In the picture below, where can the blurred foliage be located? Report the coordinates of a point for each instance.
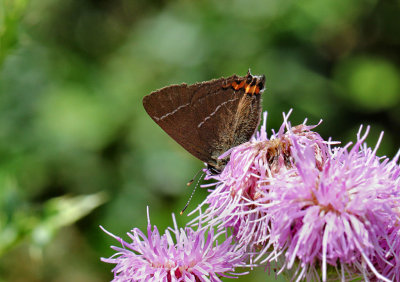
(73, 129)
(23, 220)
(11, 12)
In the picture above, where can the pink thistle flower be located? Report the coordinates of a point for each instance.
(292, 200)
(239, 188)
(337, 214)
(194, 256)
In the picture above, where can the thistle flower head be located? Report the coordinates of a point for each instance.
(293, 200)
(192, 256)
(335, 214)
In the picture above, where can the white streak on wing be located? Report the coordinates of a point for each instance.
(215, 111)
(173, 112)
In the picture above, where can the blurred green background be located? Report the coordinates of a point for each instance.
(77, 149)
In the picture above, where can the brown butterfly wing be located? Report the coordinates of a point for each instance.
(226, 118)
(205, 118)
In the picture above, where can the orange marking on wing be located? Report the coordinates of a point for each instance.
(252, 89)
(241, 84)
(255, 89)
(235, 85)
(247, 89)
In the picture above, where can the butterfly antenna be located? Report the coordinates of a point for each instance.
(194, 177)
(194, 190)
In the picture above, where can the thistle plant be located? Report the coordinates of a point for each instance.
(315, 210)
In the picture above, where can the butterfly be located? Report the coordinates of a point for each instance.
(210, 117)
